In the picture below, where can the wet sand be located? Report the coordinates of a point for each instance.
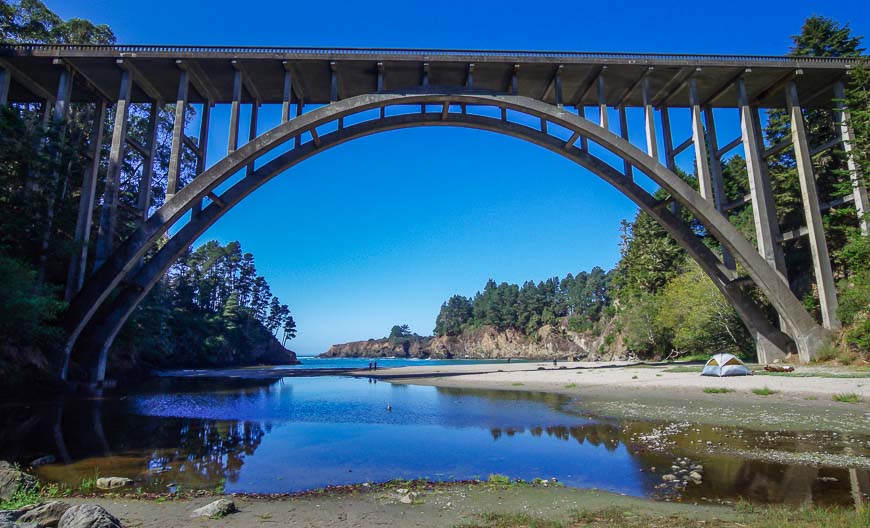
(441, 506)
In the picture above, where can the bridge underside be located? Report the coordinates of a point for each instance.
(525, 95)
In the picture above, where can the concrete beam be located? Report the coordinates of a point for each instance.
(26, 81)
(177, 135)
(248, 81)
(92, 84)
(200, 81)
(812, 212)
(587, 84)
(725, 86)
(859, 191)
(677, 84)
(140, 80)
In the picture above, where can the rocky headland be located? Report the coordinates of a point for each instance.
(487, 342)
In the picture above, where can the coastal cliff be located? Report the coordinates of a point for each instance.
(487, 342)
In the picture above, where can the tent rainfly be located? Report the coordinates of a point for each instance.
(725, 365)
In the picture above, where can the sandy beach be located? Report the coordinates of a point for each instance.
(800, 400)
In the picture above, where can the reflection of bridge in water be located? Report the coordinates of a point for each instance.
(540, 97)
(201, 453)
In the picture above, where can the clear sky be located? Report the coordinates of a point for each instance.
(382, 230)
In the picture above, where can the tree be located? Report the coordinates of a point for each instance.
(400, 331)
(289, 329)
(454, 315)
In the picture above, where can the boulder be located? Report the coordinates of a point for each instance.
(10, 516)
(218, 508)
(13, 480)
(47, 514)
(88, 516)
(107, 483)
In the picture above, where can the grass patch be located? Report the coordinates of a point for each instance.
(764, 392)
(843, 375)
(517, 384)
(758, 517)
(847, 397)
(684, 369)
(21, 498)
(714, 390)
(634, 377)
(570, 385)
(499, 479)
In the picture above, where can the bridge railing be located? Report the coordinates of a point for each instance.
(422, 52)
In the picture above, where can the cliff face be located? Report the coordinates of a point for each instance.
(488, 343)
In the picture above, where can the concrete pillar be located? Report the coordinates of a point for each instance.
(109, 211)
(300, 106)
(702, 162)
(204, 124)
(859, 191)
(602, 102)
(670, 159)
(233, 142)
(650, 122)
(5, 80)
(64, 92)
(584, 141)
(177, 136)
(78, 262)
(288, 95)
(623, 132)
(719, 197)
(143, 200)
(252, 131)
(812, 212)
(763, 207)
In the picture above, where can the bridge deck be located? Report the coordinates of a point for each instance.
(36, 69)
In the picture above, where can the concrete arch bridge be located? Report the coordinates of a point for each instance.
(539, 97)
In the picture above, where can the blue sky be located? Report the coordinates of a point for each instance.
(382, 230)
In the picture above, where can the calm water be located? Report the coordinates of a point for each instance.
(306, 432)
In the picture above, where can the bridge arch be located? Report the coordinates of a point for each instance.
(95, 315)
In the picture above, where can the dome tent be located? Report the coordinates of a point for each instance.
(725, 365)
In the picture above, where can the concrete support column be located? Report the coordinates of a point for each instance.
(584, 141)
(650, 121)
(719, 198)
(859, 191)
(78, 262)
(702, 162)
(252, 131)
(5, 80)
(201, 159)
(763, 207)
(64, 92)
(602, 102)
(177, 135)
(812, 211)
(235, 107)
(300, 106)
(109, 211)
(288, 94)
(623, 133)
(670, 158)
(143, 200)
